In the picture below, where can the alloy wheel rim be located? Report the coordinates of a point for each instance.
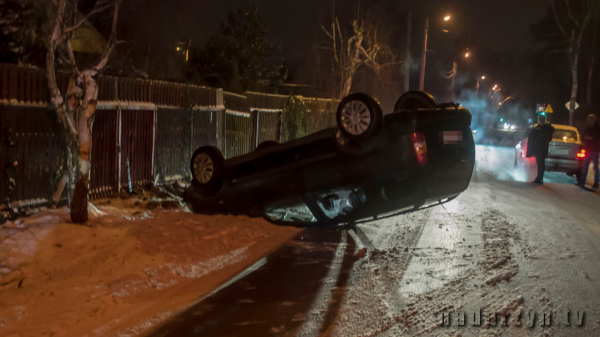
(356, 117)
(203, 168)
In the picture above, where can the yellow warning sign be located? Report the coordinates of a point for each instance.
(549, 109)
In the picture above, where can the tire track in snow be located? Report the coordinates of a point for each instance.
(375, 278)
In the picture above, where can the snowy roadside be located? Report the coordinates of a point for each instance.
(136, 261)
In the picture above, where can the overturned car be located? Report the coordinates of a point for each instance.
(369, 166)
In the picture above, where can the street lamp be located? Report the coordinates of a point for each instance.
(447, 18)
(483, 77)
(467, 54)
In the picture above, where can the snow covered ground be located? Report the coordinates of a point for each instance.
(136, 262)
(504, 246)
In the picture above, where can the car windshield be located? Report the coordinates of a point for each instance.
(565, 135)
(298, 213)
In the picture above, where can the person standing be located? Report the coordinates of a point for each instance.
(537, 146)
(591, 145)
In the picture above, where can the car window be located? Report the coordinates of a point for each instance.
(339, 203)
(565, 135)
(298, 213)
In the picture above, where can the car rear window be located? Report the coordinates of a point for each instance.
(565, 135)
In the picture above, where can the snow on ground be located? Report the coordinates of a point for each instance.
(503, 246)
(135, 262)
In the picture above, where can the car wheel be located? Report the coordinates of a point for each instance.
(207, 169)
(414, 100)
(266, 144)
(359, 118)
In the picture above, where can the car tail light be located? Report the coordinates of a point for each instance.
(581, 154)
(418, 141)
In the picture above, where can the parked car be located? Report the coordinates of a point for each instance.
(565, 153)
(420, 155)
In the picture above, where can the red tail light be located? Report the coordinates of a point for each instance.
(581, 154)
(418, 141)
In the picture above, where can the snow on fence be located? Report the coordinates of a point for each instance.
(144, 131)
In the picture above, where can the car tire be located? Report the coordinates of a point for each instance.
(207, 169)
(266, 144)
(414, 100)
(359, 118)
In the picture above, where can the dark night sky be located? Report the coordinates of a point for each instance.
(295, 23)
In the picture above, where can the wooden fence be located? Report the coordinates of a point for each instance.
(144, 131)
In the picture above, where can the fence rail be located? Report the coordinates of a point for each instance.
(144, 131)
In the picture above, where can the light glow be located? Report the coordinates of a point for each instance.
(447, 18)
(420, 146)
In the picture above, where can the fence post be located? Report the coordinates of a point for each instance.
(279, 124)
(155, 113)
(119, 144)
(255, 118)
(220, 121)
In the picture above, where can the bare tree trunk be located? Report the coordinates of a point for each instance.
(79, 210)
(574, 56)
(407, 60)
(346, 86)
(590, 80)
(56, 97)
(424, 56)
(77, 141)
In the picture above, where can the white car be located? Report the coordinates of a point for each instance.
(565, 153)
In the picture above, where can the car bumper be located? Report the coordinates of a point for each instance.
(563, 165)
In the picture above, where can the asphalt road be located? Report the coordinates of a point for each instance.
(504, 247)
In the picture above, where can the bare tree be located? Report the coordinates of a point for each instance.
(75, 119)
(578, 20)
(365, 45)
(452, 75)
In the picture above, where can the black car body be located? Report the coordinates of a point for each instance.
(320, 180)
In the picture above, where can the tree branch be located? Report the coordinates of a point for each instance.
(557, 21)
(112, 41)
(78, 24)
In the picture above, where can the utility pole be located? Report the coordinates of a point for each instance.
(407, 61)
(424, 56)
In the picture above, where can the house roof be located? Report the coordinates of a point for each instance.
(86, 39)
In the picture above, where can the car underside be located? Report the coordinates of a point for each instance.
(416, 157)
